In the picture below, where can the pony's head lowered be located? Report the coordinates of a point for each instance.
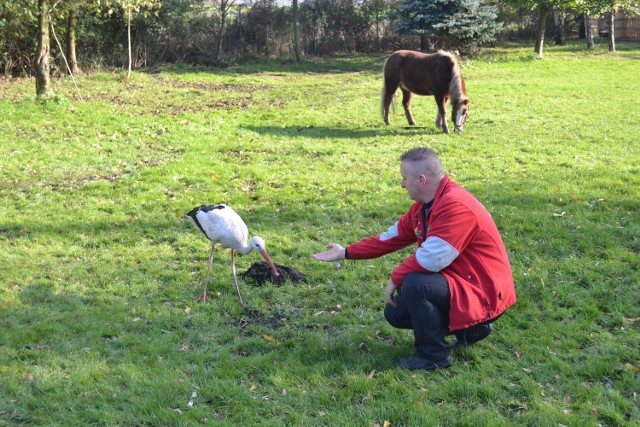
(459, 113)
(459, 100)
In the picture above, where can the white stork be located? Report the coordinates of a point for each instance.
(223, 225)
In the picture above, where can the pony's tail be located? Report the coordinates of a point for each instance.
(392, 106)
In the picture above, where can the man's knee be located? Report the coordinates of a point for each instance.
(391, 314)
(396, 317)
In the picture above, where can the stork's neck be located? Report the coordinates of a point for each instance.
(244, 249)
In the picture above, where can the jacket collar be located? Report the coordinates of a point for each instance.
(441, 187)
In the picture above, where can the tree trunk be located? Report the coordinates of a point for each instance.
(582, 32)
(71, 42)
(560, 34)
(129, 42)
(427, 43)
(223, 7)
(296, 31)
(542, 25)
(377, 32)
(42, 64)
(218, 56)
(588, 28)
(612, 31)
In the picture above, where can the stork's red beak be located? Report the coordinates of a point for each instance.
(266, 257)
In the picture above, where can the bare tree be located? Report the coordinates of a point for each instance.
(296, 31)
(560, 28)
(588, 28)
(42, 64)
(612, 30)
(72, 60)
(223, 6)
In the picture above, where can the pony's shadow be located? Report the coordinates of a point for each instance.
(328, 132)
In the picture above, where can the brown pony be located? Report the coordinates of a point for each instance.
(436, 74)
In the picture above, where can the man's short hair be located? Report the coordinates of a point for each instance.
(427, 157)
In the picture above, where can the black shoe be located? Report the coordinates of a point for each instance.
(416, 362)
(466, 337)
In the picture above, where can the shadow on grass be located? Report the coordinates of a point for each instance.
(327, 132)
(320, 65)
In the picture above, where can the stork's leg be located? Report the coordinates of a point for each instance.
(203, 297)
(235, 278)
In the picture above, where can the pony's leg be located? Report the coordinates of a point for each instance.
(388, 90)
(441, 118)
(406, 103)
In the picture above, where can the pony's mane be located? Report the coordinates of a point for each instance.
(455, 86)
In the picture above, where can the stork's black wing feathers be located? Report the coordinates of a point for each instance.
(204, 208)
(209, 208)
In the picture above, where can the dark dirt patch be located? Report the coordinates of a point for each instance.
(213, 87)
(260, 273)
(273, 322)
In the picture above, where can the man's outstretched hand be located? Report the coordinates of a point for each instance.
(335, 253)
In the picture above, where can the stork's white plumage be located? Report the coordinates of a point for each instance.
(223, 225)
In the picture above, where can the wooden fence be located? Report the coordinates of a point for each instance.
(627, 27)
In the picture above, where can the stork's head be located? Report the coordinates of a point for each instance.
(258, 244)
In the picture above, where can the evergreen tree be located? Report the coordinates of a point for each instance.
(448, 23)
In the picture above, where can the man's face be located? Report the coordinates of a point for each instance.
(411, 180)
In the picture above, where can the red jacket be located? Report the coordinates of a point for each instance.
(460, 241)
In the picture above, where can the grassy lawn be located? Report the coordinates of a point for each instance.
(99, 268)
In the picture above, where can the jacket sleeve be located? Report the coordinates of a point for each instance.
(449, 233)
(398, 236)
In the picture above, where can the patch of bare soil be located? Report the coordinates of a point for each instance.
(261, 273)
(221, 87)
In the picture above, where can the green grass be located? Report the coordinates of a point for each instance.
(99, 270)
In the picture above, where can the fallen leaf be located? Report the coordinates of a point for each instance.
(253, 387)
(187, 309)
(526, 370)
(518, 354)
(372, 373)
(386, 424)
(270, 338)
